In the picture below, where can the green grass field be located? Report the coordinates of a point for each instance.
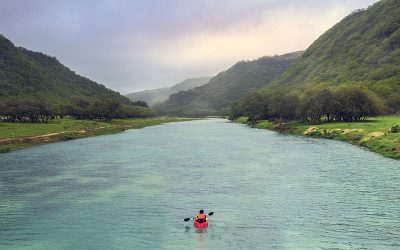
(374, 134)
(378, 124)
(17, 134)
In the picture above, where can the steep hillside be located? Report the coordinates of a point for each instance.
(363, 47)
(28, 75)
(159, 95)
(216, 97)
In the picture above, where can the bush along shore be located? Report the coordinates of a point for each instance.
(380, 134)
(18, 135)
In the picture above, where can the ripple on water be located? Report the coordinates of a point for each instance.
(133, 189)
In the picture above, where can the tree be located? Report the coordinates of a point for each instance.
(316, 103)
(283, 104)
(393, 102)
(355, 103)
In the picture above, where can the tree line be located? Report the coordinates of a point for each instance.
(312, 104)
(35, 111)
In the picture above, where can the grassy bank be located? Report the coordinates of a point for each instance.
(15, 136)
(374, 134)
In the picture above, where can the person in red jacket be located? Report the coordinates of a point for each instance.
(201, 217)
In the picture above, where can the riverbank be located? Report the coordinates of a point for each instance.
(374, 134)
(14, 136)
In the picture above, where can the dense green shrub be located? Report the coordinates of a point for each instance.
(311, 104)
(43, 111)
(395, 129)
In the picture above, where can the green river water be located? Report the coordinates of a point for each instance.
(132, 191)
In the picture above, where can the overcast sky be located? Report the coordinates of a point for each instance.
(131, 45)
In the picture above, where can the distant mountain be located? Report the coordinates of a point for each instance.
(162, 94)
(217, 96)
(28, 75)
(363, 47)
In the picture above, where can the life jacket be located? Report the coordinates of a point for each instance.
(201, 218)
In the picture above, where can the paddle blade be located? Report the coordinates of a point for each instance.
(187, 219)
(210, 213)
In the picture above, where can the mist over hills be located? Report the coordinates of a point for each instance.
(162, 94)
(216, 97)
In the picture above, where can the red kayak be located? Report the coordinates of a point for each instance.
(200, 225)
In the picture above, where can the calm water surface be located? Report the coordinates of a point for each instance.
(132, 191)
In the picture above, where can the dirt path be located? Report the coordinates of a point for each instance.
(41, 138)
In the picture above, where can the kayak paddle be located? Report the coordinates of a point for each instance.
(188, 219)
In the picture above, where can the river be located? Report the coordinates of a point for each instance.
(132, 190)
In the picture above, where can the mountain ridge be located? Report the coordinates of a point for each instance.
(154, 96)
(216, 97)
(26, 74)
(363, 47)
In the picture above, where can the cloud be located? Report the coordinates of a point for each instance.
(132, 45)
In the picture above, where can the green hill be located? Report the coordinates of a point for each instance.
(217, 96)
(364, 47)
(28, 75)
(351, 72)
(154, 96)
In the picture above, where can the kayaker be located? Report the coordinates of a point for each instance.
(201, 217)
